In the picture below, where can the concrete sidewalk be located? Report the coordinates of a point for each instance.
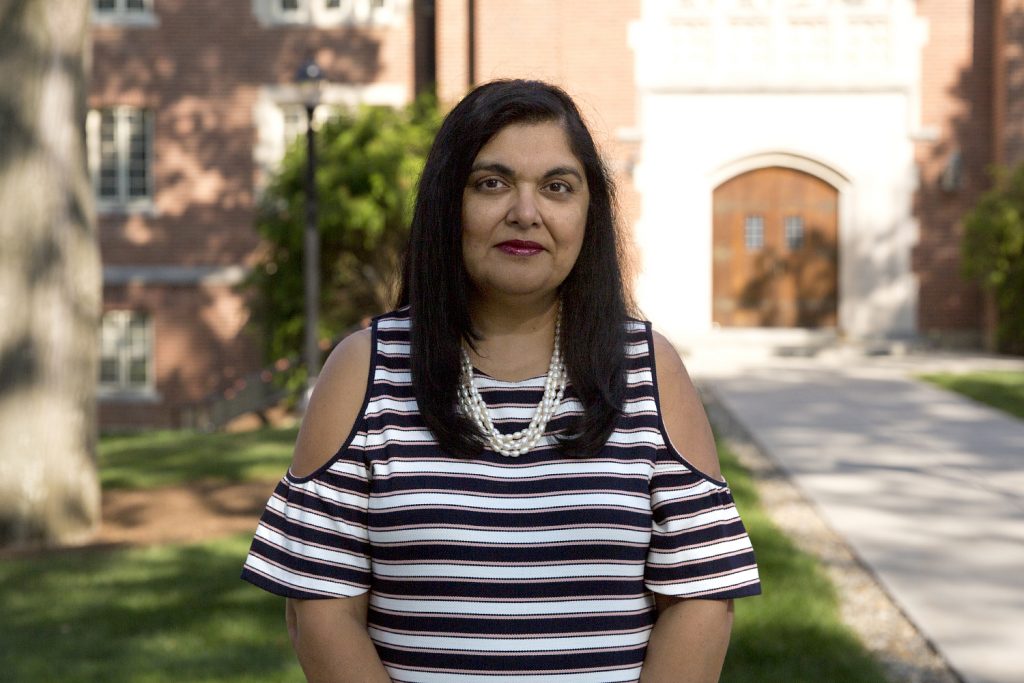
(926, 487)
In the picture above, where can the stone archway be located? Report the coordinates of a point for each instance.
(775, 252)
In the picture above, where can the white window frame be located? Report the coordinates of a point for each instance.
(123, 387)
(269, 116)
(316, 13)
(122, 202)
(120, 15)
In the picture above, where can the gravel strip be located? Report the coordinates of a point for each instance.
(905, 655)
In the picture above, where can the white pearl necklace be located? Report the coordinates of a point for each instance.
(517, 443)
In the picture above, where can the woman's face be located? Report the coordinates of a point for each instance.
(524, 212)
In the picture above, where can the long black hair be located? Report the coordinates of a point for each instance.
(436, 288)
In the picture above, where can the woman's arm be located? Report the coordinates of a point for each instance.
(331, 642)
(329, 636)
(691, 636)
(689, 641)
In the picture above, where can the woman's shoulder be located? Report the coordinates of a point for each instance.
(335, 404)
(680, 407)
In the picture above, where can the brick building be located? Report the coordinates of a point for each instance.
(780, 162)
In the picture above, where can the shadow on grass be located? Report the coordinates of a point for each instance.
(169, 458)
(172, 613)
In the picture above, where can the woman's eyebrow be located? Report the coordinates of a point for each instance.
(494, 167)
(497, 167)
(563, 170)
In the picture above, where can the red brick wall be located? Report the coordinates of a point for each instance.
(199, 347)
(200, 71)
(580, 46)
(452, 50)
(956, 101)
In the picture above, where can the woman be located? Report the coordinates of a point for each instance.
(510, 499)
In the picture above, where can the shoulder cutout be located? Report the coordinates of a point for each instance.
(682, 412)
(335, 404)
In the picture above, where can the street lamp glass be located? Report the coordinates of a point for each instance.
(310, 79)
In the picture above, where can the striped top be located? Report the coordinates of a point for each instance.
(528, 569)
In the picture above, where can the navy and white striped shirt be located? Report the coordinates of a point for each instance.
(536, 568)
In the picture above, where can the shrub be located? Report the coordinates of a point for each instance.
(993, 252)
(368, 164)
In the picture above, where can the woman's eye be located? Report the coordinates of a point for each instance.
(559, 186)
(489, 184)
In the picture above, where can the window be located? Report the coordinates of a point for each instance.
(327, 13)
(125, 352)
(794, 227)
(753, 232)
(120, 156)
(138, 12)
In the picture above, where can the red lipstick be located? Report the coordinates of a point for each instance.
(520, 248)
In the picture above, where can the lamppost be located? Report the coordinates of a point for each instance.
(310, 80)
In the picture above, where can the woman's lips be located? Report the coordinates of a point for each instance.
(520, 248)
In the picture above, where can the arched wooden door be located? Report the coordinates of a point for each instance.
(775, 250)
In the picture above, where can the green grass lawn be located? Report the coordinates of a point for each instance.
(167, 458)
(149, 615)
(180, 614)
(1001, 389)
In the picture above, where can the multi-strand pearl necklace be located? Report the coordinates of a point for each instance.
(520, 442)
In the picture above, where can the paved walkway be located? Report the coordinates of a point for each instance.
(927, 487)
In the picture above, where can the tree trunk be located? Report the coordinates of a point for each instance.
(50, 280)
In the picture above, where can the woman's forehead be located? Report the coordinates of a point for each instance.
(541, 143)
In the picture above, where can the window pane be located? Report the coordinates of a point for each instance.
(289, 5)
(753, 232)
(137, 372)
(333, 4)
(108, 371)
(138, 162)
(137, 336)
(104, 5)
(108, 154)
(124, 154)
(135, 5)
(108, 183)
(137, 186)
(794, 231)
(108, 339)
(125, 356)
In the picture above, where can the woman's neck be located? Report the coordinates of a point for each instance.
(516, 340)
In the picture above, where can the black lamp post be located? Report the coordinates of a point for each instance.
(310, 79)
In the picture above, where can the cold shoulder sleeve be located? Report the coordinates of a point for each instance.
(311, 541)
(699, 546)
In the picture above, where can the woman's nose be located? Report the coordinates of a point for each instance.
(524, 211)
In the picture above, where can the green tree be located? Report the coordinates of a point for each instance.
(368, 164)
(50, 277)
(993, 252)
